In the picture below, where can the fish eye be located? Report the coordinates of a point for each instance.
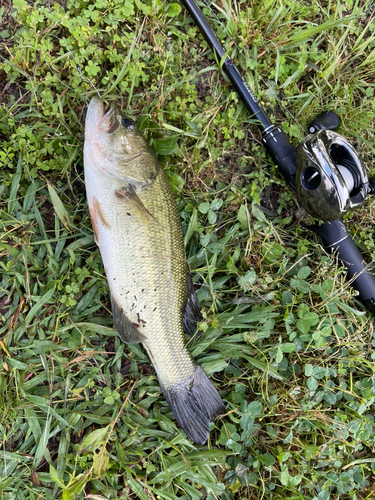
(127, 122)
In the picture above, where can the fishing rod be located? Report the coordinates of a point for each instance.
(325, 170)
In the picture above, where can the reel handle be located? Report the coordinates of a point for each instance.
(326, 121)
(337, 239)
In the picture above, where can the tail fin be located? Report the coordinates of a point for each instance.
(195, 403)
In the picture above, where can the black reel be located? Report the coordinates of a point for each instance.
(330, 178)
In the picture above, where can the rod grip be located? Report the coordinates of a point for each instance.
(337, 239)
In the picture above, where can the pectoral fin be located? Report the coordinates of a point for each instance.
(128, 332)
(128, 193)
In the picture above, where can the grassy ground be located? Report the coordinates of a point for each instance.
(284, 338)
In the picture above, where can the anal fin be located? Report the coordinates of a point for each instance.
(128, 332)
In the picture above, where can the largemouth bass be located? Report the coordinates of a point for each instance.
(137, 228)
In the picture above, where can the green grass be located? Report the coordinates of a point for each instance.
(285, 340)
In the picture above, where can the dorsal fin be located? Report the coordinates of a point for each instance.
(191, 311)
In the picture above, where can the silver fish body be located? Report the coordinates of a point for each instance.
(137, 228)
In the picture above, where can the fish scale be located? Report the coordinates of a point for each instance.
(138, 231)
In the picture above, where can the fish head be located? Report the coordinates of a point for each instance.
(113, 143)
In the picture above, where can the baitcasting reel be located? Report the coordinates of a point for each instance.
(330, 178)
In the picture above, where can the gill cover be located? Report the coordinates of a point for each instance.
(331, 178)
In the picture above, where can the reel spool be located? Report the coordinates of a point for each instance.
(331, 178)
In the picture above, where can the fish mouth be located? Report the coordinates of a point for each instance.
(109, 123)
(105, 121)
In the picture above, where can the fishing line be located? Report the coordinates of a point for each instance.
(78, 68)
